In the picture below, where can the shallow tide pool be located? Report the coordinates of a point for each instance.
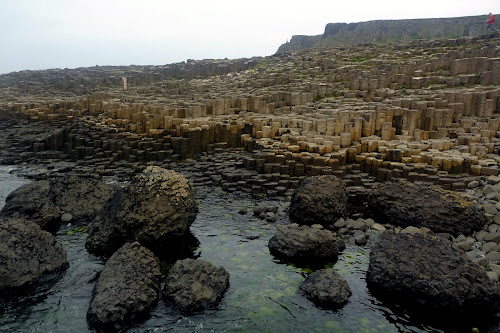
(263, 294)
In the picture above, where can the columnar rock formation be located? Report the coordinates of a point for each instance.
(424, 111)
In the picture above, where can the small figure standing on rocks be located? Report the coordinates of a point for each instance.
(490, 22)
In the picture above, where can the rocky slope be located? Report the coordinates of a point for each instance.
(379, 31)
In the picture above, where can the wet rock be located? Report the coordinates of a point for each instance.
(31, 202)
(126, 290)
(157, 207)
(30, 258)
(326, 289)
(320, 199)
(425, 206)
(429, 273)
(195, 285)
(303, 243)
(83, 197)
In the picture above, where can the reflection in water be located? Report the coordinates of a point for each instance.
(263, 294)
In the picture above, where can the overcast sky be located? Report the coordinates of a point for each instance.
(41, 34)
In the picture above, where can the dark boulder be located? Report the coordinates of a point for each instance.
(442, 211)
(31, 202)
(326, 289)
(30, 258)
(303, 243)
(158, 206)
(319, 200)
(126, 290)
(430, 274)
(195, 285)
(82, 197)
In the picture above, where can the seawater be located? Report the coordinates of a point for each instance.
(263, 294)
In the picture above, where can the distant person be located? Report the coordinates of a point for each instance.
(490, 22)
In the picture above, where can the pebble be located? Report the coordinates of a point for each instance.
(411, 230)
(66, 217)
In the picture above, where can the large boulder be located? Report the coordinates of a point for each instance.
(126, 290)
(427, 206)
(430, 274)
(31, 202)
(319, 200)
(303, 243)
(30, 258)
(158, 206)
(195, 285)
(82, 197)
(326, 289)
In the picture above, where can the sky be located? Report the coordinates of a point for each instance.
(43, 34)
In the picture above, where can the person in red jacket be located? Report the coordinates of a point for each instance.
(490, 22)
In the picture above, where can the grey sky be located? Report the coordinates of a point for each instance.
(41, 34)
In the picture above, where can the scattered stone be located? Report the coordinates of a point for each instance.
(195, 285)
(425, 206)
(83, 197)
(320, 199)
(31, 202)
(158, 206)
(303, 243)
(126, 290)
(429, 273)
(30, 258)
(326, 289)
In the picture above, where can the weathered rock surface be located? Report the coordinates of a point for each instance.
(31, 202)
(425, 206)
(326, 288)
(195, 285)
(82, 197)
(30, 258)
(429, 273)
(126, 290)
(303, 243)
(156, 207)
(321, 199)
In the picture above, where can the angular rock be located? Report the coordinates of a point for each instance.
(326, 289)
(31, 202)
(320, 199)
(303, 243)
(82, 197)
(430, 274)
(432, 207)
(30, 258)
(126, 290)
(195, 285)
(158, 206)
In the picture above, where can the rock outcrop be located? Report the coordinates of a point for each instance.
(157, 207)
(430, 274)
(303, 243)
(195, 285)
(380, 31)
(30, 258)
(126, 290)
(31, 202)
(326, 288)
(319, 200)
(432, 207)
(82, 197)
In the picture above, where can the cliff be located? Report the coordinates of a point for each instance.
(381, 31)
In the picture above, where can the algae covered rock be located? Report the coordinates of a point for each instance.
(319, 200)
(303, 243)
(407, 204)
(195, 285)
(430, 274)
(30, 258)
(326, 288)
(126, 290)
(158, 206)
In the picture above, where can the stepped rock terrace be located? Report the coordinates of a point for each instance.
(426, 111)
